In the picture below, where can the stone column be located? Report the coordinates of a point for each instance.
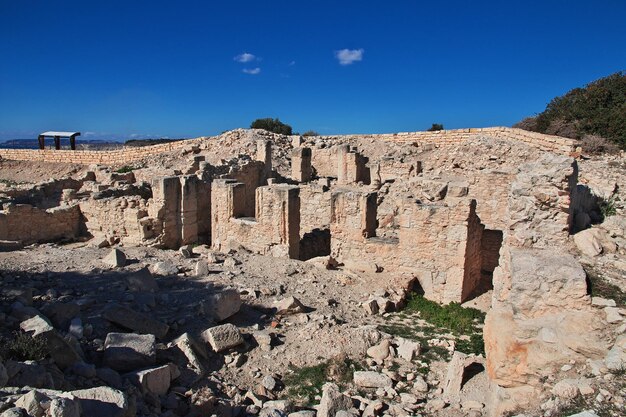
(264, 154)
(189, 209)
(301, 165)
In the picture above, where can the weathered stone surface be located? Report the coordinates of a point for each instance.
(155, 380)
(565, 389)
(613, 315)
(370, 379)
(588, 243)
(407, 349)
(65, 407)
(36, 325)
(616, 357)
(289, 305)
(191, 348)
(380, 352)
(222, 337)
(128, 351)
(60, 314)
(14, 412)
(332, 401)
(115, 259)
(31, 402)
(164, 268)
(133, 320)
(102, 402)
(223, 304)
(454, 376)
(141, 280)
(64, 350)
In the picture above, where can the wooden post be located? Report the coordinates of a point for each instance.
(41, 142)
(57, 143)
(73, 142)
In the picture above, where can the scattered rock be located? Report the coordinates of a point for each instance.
(370, 379)
(115, 259)
(128, 351)
(223, 337)
(133, 320)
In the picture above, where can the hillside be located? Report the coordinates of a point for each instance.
(595, 110)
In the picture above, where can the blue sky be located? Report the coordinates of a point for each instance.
(121, 69)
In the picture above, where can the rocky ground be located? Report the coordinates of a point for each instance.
(93, 330)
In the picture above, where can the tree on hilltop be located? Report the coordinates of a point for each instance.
(272, 125)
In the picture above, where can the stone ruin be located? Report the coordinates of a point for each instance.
(453, 238)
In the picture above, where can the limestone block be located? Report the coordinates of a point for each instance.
(115, 259)
(370, 379)
(223, 337)
(141, 280)
(223, 304)
(102, 402)
(155, 380)
(133, 320)
(128, 351)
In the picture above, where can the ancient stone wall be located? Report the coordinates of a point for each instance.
(115, 217)
(443, 137)
(315, 207)
(275, 229)
(439, 244)
(28, 224)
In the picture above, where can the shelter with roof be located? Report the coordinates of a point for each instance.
(57, 138)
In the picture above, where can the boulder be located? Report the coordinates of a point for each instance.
(128, 351)
(223, 304)
(371, 379)
(332, 401)
(102, 402)
(588, 243)
(223, 337)
(36, 325)
(65, 407)
(407, 349)
(155, 380)
(380, 352)
(31, 402)
(133, 320)
(115, 259)
(164, 268)
(141, 281)
(289, 305)
(60, 314)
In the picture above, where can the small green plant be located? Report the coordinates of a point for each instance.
(306, 382)
(23, 347)
(608, 207)
(310, 133)
(453, 317)
(125, 169)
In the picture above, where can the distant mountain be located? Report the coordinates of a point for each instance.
(80, 143)
(594, 112)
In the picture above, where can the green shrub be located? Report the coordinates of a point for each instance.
(23, 347)
(272, 125)
(596, 109)
(310, 133)
(453, 317)
(125, 169)
(435, 127)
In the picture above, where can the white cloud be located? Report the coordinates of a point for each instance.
(252, 71)
(349, 56)
(292, 63)
(245, 57)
